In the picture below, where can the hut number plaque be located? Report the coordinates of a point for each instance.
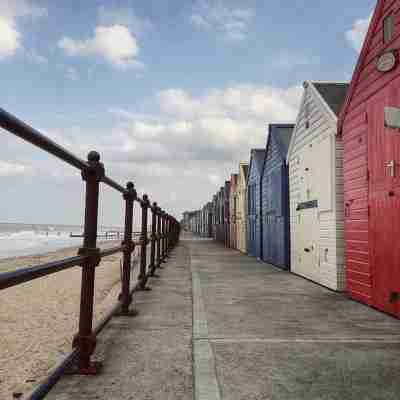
(386, 62)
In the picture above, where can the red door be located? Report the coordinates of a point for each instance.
(384, 202)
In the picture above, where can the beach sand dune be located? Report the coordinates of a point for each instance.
(38, 319)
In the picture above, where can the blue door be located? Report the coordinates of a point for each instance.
(275, 199)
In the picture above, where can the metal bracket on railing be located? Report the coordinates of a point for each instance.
(96, 169)
(93, 257)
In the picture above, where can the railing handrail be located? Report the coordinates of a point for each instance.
(15, 126)
(164, 235)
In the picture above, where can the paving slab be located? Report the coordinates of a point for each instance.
(147, 357)
(278, 336)
(220, 325)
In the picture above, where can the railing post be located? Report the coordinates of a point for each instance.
(85, 341)
(125, 297)
(145, 204)
(167, 238)
(163, 236)
(167, 235)
(159, 237)
(153, 240)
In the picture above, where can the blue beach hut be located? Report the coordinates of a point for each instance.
(254, 203)
(275, 238)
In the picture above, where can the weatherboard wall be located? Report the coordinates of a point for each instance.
(232, 212)
(275, 200)
(241, 210)
(372, 242)
(315, 168)
(254, 231)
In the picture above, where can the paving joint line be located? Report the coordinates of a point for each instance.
(206, 386)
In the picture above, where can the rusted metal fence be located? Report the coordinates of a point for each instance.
(164, 236)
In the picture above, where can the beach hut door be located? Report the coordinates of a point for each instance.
(384, 201)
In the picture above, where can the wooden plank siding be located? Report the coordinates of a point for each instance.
(316, 173)
(241, 212)
(254, 230)
(233, 211)
(275, 199)
(367, 83)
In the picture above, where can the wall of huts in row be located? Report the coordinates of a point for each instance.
(322, 198)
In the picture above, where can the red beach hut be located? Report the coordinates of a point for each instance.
(369, 126)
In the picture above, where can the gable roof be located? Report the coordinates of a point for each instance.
(283, 133)
(244, 168)
(257, 156)
(357, 71)
(333, 93)
(324, 94)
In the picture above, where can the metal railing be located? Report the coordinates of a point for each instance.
(164, 236)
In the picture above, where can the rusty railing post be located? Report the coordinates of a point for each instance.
(85, 340)
(125, 297)
(162, 236)
(153, 239)
(145, 204)
(167, 241)
(158, 238)
(167, 235)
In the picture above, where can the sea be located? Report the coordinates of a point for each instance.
(31, 239)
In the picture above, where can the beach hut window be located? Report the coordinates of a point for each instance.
(388, 28)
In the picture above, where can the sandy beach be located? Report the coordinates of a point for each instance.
(38, 319)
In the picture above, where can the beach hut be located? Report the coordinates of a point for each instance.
(241, 213)
(275, 197)
(220, 236)
(227, 189)
(369, 126)
(253, 203)
(315, 160)
(215, 215)
(232, 211)
(209, 219)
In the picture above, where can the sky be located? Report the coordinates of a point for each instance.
(173, 95)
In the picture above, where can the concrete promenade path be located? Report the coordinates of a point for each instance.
(222, 325)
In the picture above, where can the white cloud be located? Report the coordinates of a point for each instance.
(13, 169)
(124, 16)
(356, 35)
(226, 20)
(10, 35)
(115, 43)
(189, 145)
(9, 38)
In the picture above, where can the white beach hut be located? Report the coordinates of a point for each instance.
(316, 187)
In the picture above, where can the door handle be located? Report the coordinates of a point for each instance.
(392, 168)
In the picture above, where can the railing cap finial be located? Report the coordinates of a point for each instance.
(93, 156)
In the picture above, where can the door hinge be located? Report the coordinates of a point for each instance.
(366, 117)
(369, 211)
(368, 175)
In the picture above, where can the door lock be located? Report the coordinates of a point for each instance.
(392, 168)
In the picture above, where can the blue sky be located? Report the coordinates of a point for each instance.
(173, 94)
